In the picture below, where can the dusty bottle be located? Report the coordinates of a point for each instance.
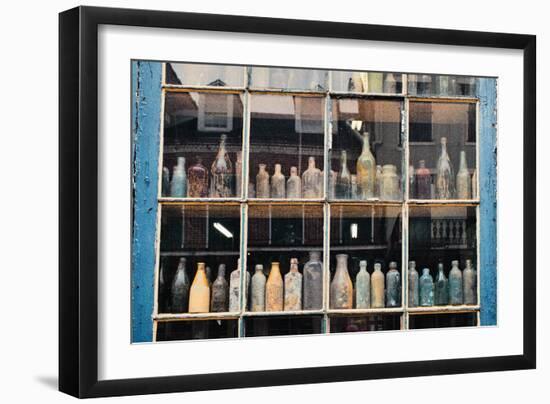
(444, 174)
(362, 287)
(423, 181)
(378, 180)
(235, 288)
(426, 289)
(441, 292)
(262, 182)
(222, 173)
(209, 276)
(197, 179)
(239, 174)
(455, 285)
(341, 287)
(294, 185)
(180, 289)
(199, 295)
(393, 286)
(366, 170)
(178, 186)
(463, 180)
(165, 181)
(274, 297)
(278, 183)
(220, 294)
(413, 284)
(389, 183)
(293, 287)
(343, 179)
(377, 286)
(390, 84)
(469, 284)
(312, 181)
(332, 184)
(257, 289)
(313, 282)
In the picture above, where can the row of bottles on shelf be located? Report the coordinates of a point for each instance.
(372, 82)
(459, 288)
(445, 185)
(425, 84)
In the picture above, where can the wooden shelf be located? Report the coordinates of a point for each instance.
(196, 316)
(282, 313)
(200, 253)
(358, 312)
(444, 309)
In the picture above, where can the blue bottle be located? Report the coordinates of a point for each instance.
(441, 293)
(393, 286)
(426, 289)
(456, 296)
(178, 186)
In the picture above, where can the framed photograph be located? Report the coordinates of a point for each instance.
(249, 201)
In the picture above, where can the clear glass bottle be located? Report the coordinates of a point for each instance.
(362, 287)
(343, 179)
(393, 286)
(293, 287)
(423, 181)
(235, 288)
(180, 289)
(257, 289)
(274, 297)
(197, 178)
(444, 186)
(456, 296)
(469, 284)
(341, 287)
(377, 284)
(221, 185)
(313, 282)
(165, 181)
(463, 179)
(413, 285)
(366, 170)
(441, 293)
(220, 294)
(199, 294)
(178, 186)
(278, 183)
(389, 183)
(262, 182)
(426, 289)
(294, 184)
(312, 181)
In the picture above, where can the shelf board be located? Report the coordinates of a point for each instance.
(443, 309)
(359, 247)
(282, 313)
(355, 312)
(285, 248)
(168, 200)
(196, 316)
(201, 253)
(440, 202)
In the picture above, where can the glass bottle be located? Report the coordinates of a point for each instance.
(389, 183)
(178, 186)
(165, 181)
(377, 287)
(274, 297)
(423, 181)
(366, 170)
(220, 293)
(393, 286)
(444, 173)
(180, 289)
(424, 85)
(222, 173)
(239, 174)
(262, 182)
(463, 180)
(354, 193)
(278, 183)
(469, 284)
(441, 293)
(341, 287)
(312, 181)
(390, 84)
(474, 184)
(293, 287)
(343, 179)
(294, 184)
(378, 179)
(197, 178)
(426, 289)
(199, 294)
(456, 296)
(443, 85)
(257, 289)
(412, 182)
(313, 282)
(163, 303)
(235, 288)
(362, 287)
(332, 184)
(413, 284)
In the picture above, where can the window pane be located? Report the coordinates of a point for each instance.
(442, 150)
(366, 150)
(418, 321)
(290, 79)
(202, 145)
(376, 322)
(441, 85)
(373, 235)
(367, 82)
(286, 139)
(205, 75)
(196, 329)
(281, 325)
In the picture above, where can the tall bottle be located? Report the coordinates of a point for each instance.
(274, 297)
(294, 184)
(257, 289)
(463, 179)
(235, 288)
(469, 284)
(341, 287)
(220, 294)
(393, 286)
(441, 293)
(413, 284)
(262, 182)
(362, 287)
(199, 295)
(222, 173)
(423, 181)
(343, 179)
(197, 180)
(444, 174)
(178, 186)
(426, 289)
(313, 282)
(278, 183)
(312, 181)
(366, 170)
(180, 289)
(456, 295)
(293, 287)
(377, 286)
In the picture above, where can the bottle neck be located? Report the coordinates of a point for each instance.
(366, 143)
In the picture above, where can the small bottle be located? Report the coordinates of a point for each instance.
(293, 287)
(278, 183)
(262, 182)
(313, 282)
(444, 174)
(222, 173)
(389, 190)
(312, 181)
(362, 287)
(456, 296)
(220, 296)
(294, 185)
(197, 180)
(257, 289)
(180, 289)
(413, 283)
(235, 288)
(274, 297)
(426, 289)
(341, 287)
(178, 186)
(393, 286)
(377, 287)
(469, 284)
(199, 295)
(423, 181)
(343, 179)
(463, 179)
(441, 294)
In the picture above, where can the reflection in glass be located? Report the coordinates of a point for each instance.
(285, 78)
(367, 82)
(441, 85)
(205, 75)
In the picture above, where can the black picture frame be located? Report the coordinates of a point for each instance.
(78, 200)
